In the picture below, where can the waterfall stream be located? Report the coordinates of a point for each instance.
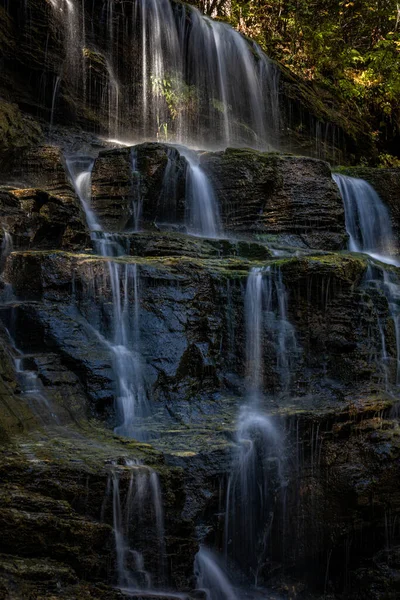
(182, 77)
(202, 214)
(141, 502)
(211, 578)
(131, 395)
(367, 219)
(257, 466)
(257, 475)
(370, 231)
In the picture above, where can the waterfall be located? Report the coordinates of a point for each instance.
(210, 577)
(124, 345)
(370, 231)
(143, 503)
(71, 16)
(181, 77)
(266, 308)
(367, 219)
(254, 317)
(202, 214)
(257, 470)
(161, 60)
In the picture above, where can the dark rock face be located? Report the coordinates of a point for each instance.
(38, 206)
(55, 498)
(42, 221)
(340, 466)
(273, 194)
(187, 311)
(18, 131)
(149, 179)
(258, 193)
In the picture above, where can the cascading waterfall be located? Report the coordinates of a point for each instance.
(142, 504)
(259, 456)
(266, 308)
(367, 219)
(131, 394)
(370, 231)
(182, 77)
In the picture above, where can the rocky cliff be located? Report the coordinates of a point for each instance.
(336, 411)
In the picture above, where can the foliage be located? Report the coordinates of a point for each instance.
(176, 93)
(351, 47)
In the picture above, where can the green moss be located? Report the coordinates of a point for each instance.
(17, 131)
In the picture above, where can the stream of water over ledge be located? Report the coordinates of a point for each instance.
(200, 338)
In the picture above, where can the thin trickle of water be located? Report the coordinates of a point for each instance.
(132, 400)
(388, 283)
(114, 93)
(5, 249)
(257, 472)
(211, 578)
(30, 384)
(71, 16)
(53, 101)
(6, 290)
(266, 310)
(80, 171)
(137, 200)
(167, 209)
(142, 503)
(254, 332)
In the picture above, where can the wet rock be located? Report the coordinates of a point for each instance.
(258, 193)
(175, 244)
(34, 218)
(18, 131)
(41, 167)
(276, 194)
(192, 324)
(130, 181)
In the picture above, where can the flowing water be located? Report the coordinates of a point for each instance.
(124, 339)
(140, 504)
(370, 231)
(170, 74)
(257, 476)
(137, 200)
(202, 214)
(211, 578)
(367, 219)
